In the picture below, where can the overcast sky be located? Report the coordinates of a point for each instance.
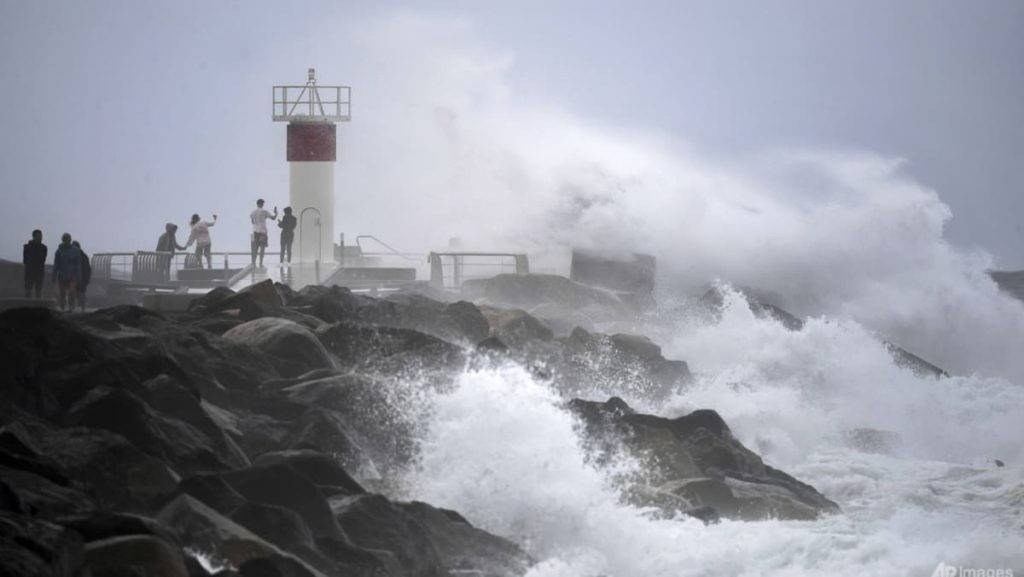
(121, 115)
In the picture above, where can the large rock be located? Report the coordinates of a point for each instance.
(325, 431)
(165, 438)
(42, 497)
(145, 554)
(222, 540)
(390, 350)
(464, 548)
(373, 522)
(590, 364)
(34, 547)
(295, 349)
(426, 540)
(324, 471)
(123, 477)
(283, 486)
(515, 327)
(694, 461)
(370, 409)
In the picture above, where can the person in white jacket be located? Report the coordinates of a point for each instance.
(259, 218)
(201, 236)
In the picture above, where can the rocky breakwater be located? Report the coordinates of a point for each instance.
(262, 432)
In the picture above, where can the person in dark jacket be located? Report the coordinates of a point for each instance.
(67, 269)
(34, 259)
(287, 226)
(167, 241)
(83, 281)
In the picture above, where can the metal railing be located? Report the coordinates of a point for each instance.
(448, 270)
(312, 103)
(136, 267)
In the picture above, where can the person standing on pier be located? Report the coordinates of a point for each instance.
(287, 226)
(167, 241)
(259, 219)
(34, 259)
(201, 236)
(85, 277)
(67, 270)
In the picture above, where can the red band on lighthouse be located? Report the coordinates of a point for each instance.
(309, 142)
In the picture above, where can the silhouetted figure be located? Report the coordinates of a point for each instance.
(167, 241)
(259, 230)
(287, 226)
(201, 236)
(67, 270)
(86, 276)
(34, 259)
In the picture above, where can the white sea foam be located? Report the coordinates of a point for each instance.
(848, 238)
(501, 450)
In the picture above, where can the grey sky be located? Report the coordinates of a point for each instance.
(119, 116)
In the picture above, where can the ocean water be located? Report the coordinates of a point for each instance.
(501, 450)
(847, 238)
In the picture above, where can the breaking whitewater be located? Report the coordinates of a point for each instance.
(943, 484)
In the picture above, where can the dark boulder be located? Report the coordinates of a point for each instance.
(694, 461)
(294, 348)
(106, 525)
(34, 547)
(389, 350)
(464, 548)
(324, 471)
(326, 431)
(165, 438)
(373, 522)
(145, 554)
(594, 363)
(222, 540)
(275, 566)
(41, 497)
(123, 477)
(368, 407)
(213, 491)
(283, 486)
(515, 327)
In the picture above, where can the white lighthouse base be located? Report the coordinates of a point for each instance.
(312, 202)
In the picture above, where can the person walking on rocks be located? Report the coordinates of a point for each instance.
(67, 270)
(201, 236)
(259, 219)
(287, 226)
(34, 259)
(86, 276)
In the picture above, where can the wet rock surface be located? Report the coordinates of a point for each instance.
(255, 428)
(693, 462)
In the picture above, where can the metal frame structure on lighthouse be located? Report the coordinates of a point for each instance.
(312, 113)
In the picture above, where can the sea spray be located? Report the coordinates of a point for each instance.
(499, 448)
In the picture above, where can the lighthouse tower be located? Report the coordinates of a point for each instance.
(312, 112)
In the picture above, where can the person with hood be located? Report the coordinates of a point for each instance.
(201, 236)
(67, 269)
(287, 226)
(86, 276)
(34, 259)
(167, 241)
